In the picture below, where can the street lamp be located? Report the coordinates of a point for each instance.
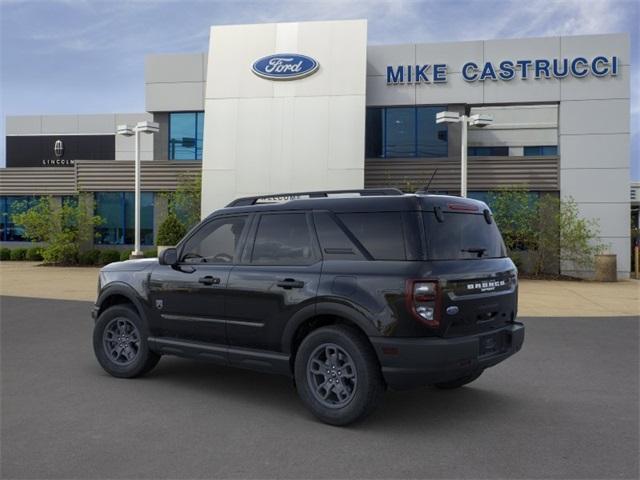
(477, 120)
(127, 131)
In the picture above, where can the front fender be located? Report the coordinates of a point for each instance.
(124, 290)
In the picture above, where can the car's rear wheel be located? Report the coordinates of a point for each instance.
(459, 382)
(337, 375)
(120, 343)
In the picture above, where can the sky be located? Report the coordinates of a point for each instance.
(87, 56)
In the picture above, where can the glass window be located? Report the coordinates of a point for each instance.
(117, 212)
(374, 133)
(393, 132)
(462, 236)
(400, 128)
(9, 206)
(283, 239)
(334, 242)
(488, 151)
(380, 233)
(432, 136)
(541, 151)
(215, 242)
(185, 135)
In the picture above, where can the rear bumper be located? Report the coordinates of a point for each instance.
(413, 362)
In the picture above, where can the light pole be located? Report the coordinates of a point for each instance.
(127, 131)
(478, 120)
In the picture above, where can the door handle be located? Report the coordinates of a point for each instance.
(289, 283)
(209, 280)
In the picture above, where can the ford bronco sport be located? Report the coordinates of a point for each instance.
(348, 293)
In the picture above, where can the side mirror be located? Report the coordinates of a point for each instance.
(169, 257)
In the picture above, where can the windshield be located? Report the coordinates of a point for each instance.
(462, 236)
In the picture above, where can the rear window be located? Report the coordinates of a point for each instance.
(380, 233)
(462, 236)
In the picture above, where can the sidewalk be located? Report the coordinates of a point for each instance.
(537, 298)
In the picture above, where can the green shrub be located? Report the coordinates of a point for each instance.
(61, 228)
(171, 231)
(151, 253)
(109, 256)
(124, 255)
(5, 254)
(90, 257)
(18, 254)
(34, 254)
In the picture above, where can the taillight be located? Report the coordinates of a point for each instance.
(424, 302)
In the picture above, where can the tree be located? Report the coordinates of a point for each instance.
(513, 213)
(171, 231)
(63, 228)
(184, 203)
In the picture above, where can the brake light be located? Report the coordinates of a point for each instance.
(462, 207)
(423, 301)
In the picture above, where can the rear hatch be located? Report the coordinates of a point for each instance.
(477, 282)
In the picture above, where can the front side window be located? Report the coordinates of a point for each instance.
(116, 209)
(185, 135)
(283, 239)
(215, 242)
(462, 236)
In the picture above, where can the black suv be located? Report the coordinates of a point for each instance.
(346, 292)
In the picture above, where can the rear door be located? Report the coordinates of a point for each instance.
(478, 281)
(278, 275)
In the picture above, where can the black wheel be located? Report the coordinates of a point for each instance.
(120, 343)
(337, 375)
(458, 382)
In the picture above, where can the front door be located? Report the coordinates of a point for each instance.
(278, 275)
(189, 298)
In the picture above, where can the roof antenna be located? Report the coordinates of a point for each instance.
(426, 188)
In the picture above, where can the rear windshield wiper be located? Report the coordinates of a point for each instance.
(479, 251)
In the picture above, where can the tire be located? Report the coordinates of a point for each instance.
(131, 358)
(340, 358)
(458, 382)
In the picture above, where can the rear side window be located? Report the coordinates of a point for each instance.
(380, 233)
(462, 236)
(283, 239)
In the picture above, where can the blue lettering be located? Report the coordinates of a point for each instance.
(565, 68)
(542, 68)
(506, 70)
(421, 75)
(397, 76)
(465, 72)
(488, 71)
(576, 64)
(600, 66)
(409, 71)
(614, 66)
(439, 73)
(524, 65)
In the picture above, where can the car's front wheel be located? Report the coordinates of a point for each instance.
(337, 375)
(120, 343)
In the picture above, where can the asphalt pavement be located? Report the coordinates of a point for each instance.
(565, 406)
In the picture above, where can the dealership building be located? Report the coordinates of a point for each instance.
(304, 106)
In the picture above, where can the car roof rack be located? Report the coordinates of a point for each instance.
(283, 197)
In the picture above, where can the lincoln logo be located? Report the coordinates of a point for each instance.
(284, 66)
(58, 148)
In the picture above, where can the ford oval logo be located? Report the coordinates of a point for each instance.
(285, 66)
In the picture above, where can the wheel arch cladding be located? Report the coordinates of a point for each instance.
(119, 295)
